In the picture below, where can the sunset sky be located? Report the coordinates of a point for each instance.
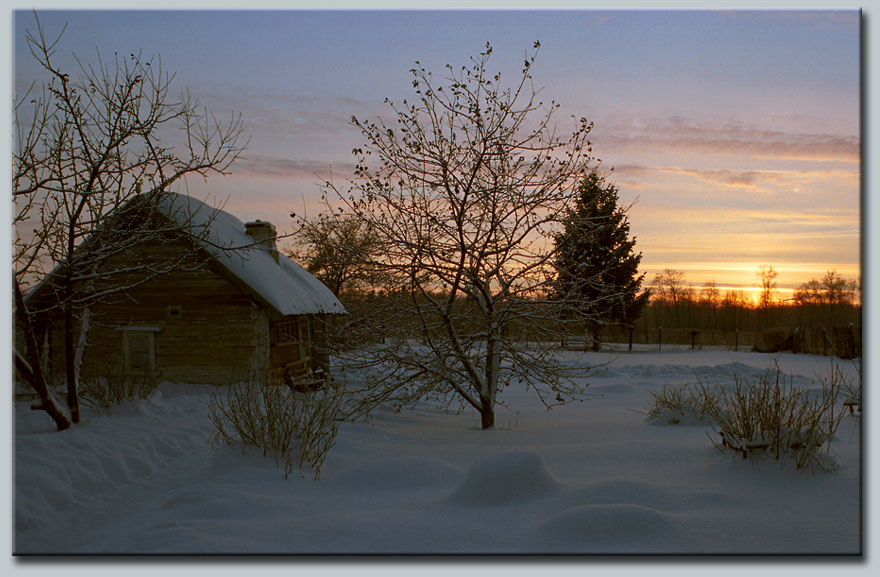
(737, 133)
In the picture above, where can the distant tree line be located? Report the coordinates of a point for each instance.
(831, 301)
(596, 263)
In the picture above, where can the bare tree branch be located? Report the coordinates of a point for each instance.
(91, 166)
(466, 187)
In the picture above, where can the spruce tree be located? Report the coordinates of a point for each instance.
(596, 267)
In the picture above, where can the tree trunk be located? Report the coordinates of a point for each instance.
(69, 347)
(487, 416)
(594, 337)
(487, 396)
(70, 366)
(32, 370)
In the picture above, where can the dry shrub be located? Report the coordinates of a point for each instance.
(297, 427)
(680, 400)
(767, 415)
(104, 392)
(771, 416)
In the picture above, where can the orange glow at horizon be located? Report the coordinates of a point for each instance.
(740, 276)
(752, 293)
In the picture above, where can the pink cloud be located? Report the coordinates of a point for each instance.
(273, 167)
(727, 139)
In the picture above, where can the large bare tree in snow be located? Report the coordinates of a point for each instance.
(96, 149)
(465, 187)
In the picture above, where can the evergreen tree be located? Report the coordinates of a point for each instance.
(595, 261)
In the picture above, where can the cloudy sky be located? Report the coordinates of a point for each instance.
(737, 133)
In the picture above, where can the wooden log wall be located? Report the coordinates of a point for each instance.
(208, 330)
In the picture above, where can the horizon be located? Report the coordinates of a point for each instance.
(736, 134)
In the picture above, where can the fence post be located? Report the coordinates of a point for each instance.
(736, 339)
(659, 338)
(693, 338)
(630, 327)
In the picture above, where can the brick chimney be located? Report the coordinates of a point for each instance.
(264, 235)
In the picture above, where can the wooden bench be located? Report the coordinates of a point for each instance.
(745, 449)
(851, 404)
(299, 376)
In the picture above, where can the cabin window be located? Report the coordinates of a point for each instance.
(292, 331)
(289, 341)
(139, 348)
(139, 357)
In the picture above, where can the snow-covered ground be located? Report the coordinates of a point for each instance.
(595, 477)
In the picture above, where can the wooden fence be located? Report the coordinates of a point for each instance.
(844, 342)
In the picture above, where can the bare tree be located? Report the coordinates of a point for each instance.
(837, 289)
(711, 296)
(669, 286)
(736, 306)
(91, 163)
(810, 293)
(466, 187)
(30, 366)
(337, 250)
(828, 295)
(767, 276)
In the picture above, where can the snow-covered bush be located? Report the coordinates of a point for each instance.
(297, 427)
(770, 415)
(766, 415)
(680, 403)
(105, 392)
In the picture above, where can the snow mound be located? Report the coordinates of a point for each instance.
(651, 495)
(400, 475)
(726, 369)
(665, 371)
(614, 520)
(506, 478)
(132, 446)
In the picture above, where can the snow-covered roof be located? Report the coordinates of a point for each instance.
(284, 285)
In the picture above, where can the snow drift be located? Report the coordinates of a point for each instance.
(595, 477)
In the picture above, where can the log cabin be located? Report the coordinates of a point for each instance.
(232, 308)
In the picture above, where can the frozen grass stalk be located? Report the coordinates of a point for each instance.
(104, 392)
(296, 427)
(680, 400)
